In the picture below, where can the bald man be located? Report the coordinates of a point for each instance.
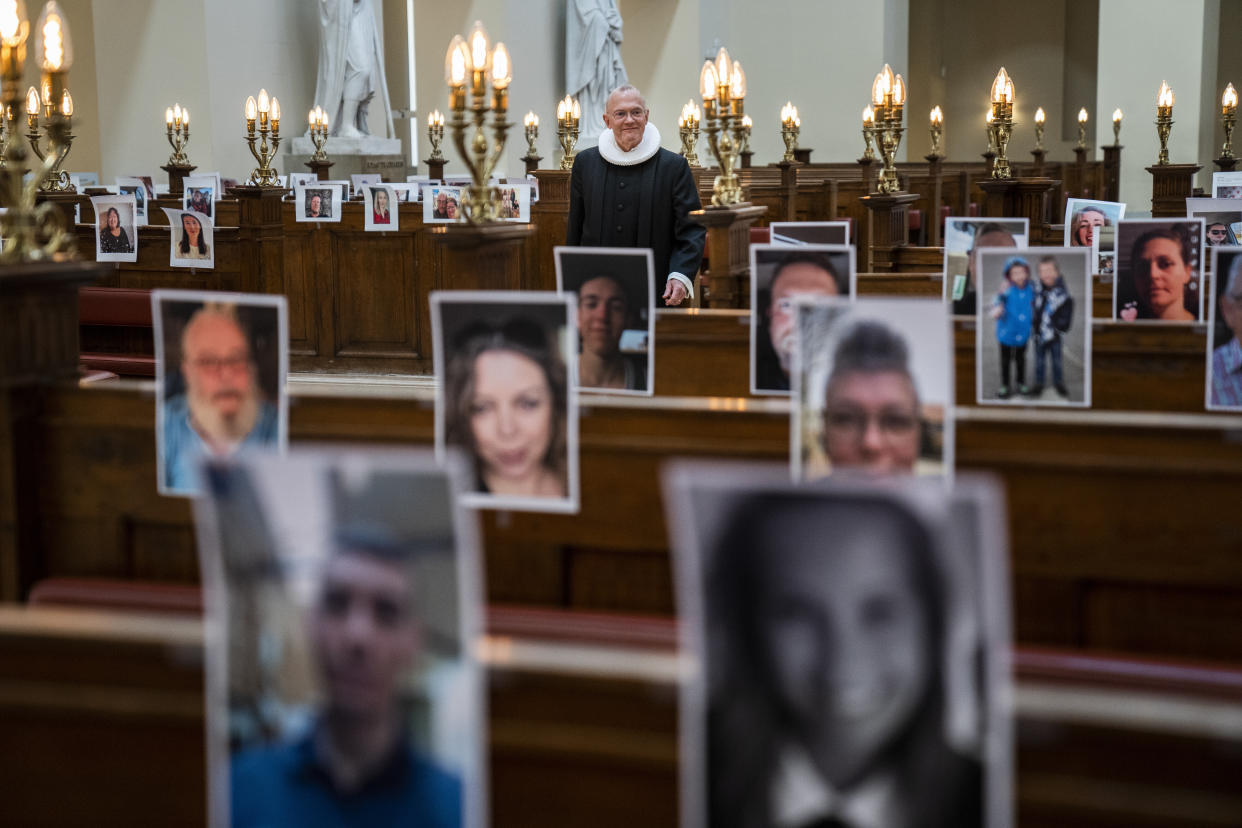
(628, 192)
(222, 409)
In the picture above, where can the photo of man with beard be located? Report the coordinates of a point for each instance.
(220, 398)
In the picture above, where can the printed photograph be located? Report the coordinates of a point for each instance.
(1224, 349)
(221, 361)
(1033, 327)
(190, 239)
(199, 194)
(779, 276)
(117, 228)
(874, 697)
(358, 181)
(1159, 270)
(810, 232)
(1227, 185)
(515, 202)
(504, 399)
(381, 207)
(343, 594)
(130, 185)
(616, 316)
(321, 202)
(962, 237)
(873, 387)
(442, 203)
(1090, 223)
(1222, 219)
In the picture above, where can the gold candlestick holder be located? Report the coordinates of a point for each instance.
(1116, 127)
(1082, 129)
(568, 117)
(264, 141)
(1228, 119)
(1164, 122)
(1039, 129)
(746, 127)
(936, 129)
(177, 125)
(888, 98)
(723, 88)
(32, 232)
(790, 126)
(485, 67)
(868, 134)
(688, 130)
(435, 136)
(318, 122)
(1001, 126)
(57, 106)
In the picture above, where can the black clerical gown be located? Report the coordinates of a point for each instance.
(643, 205)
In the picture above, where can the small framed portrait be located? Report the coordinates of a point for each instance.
(1034, 307)
(514, 202)
(1091, 223)
(1224, 348)
(810, 232)
(872, 387)
(778, 276)
(343, 605)
(504, 399)
(847, 643)
(320, 202)
(131, 185)
(359, 180)
(221, 362)
(405, 193)
(962, 237)
(615, 289)
(299, 178)
(117, 237)
(199, 194)
(191, 240)
(1222, 220)
(381, 207)
(442, 203)
(1227, 185)
(1159, 270)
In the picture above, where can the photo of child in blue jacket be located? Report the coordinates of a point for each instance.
(1014, 309)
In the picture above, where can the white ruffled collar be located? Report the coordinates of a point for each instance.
(646, 148)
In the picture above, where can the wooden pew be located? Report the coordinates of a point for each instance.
(583, 726)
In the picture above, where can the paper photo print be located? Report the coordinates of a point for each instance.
(221, 361)
(514, 202)
(116, 228)
(779, 276)
(442, 203)
(615, 289)
(810, 232)
(872, 387)
(131, 185)
(1033, 328)
(191, 240)
(359, 180)
(1224, 349)
(199, 194)
(342, 593)
(847, 652)
(405, 192)
(1227, 185)
(1222, 220)
(380, 209)
(302, 178)
(346, 187)
(1093, 224)
(1159, 270)
(320, 202)
(504, 399)
(962, 237)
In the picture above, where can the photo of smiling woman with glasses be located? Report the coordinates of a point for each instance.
(872, 381)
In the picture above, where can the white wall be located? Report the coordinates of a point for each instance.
(1143, 42)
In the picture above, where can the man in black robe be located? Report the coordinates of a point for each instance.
(628, 192)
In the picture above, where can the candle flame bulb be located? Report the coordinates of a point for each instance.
(724, 66)
(53, 50)
(13, 29)
(265, 103)
(32, 101)
(66, 104)
(531, 119)
(455, 62)
(185, 118)
(275, 110)
(1117, 116)
(168, 116)
(1166, 95)
(868, 116)
(1039, 116)
(937, 116)
(1082, 115)
(480, 59)
(577, 111)
(1229, 100)
(502, 68)
(737, 82)
(708, 81)
(252, 109)
(747, 122)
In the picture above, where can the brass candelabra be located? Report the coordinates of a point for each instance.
(1229, 118)
(1082, 129)
(1116, 127)
(688, 130)
(937, 131)
(791, 124)
(868, 133)
(1001, 126)
(484, 67)
(530, 125)
(568, 117)
(266, 112)
(747, 123)
(888, 100)
(57, 106)
(318, 122)
(435, 135)
(723, 87)
(177, 125)
(1164, 121)
(32, 231)
(1040, 117)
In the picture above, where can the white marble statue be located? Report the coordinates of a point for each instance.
(351, 67)
(593, 66)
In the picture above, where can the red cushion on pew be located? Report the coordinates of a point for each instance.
(916, 219)
(760, 235)
(112, 594)
(114, 306)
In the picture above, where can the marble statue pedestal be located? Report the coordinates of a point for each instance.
(368, 154)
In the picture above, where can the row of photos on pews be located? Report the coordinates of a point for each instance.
(191, 232)
(879, 696)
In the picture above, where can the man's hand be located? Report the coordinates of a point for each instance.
(674, 292)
